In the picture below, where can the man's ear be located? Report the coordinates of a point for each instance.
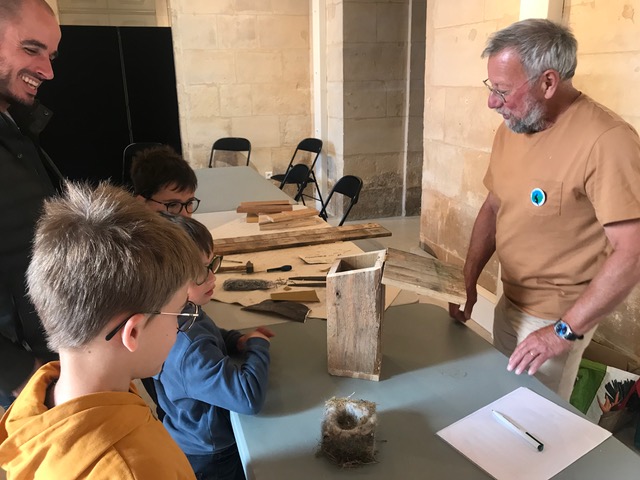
(140, 198)
(131, 331)
(550, 83)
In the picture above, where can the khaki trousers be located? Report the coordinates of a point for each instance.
(511, 326)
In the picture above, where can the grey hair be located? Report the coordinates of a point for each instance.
(541, 45)
(100, 254)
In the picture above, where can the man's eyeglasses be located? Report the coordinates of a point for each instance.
(190, 205)
(213, 267)
(502, 94)
(186, 326)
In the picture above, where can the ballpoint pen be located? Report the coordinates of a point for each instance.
(518, 430)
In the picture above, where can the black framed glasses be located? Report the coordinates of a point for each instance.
(213, 266)
(190, 205)
(184, 327)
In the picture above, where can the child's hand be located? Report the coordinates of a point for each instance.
(260, 332)
(266, 332)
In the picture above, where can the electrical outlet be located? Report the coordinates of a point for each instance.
(267, 175)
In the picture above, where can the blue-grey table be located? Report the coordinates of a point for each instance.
(434, 372)
(224, 188)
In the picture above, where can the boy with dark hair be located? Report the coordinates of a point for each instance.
(164, 181)
(199, 383)
(107, 285)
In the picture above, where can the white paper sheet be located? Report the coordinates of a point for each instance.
(506, 456)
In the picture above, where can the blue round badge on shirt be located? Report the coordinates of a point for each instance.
(538, 197)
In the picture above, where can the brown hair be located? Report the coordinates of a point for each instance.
(196, 231)
(159, 167)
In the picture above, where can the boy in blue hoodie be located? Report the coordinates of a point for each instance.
(199, 383)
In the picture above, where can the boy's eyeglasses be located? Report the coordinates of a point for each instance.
(186, 326)
(190, 205)
(213, 267)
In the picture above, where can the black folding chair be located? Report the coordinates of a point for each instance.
(230, 144)
(314, 147)
(350, 187)
(298, 175)
(127, 156)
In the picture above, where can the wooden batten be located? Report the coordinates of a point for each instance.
(300, 238)
(294, 223)
(288, 216)
(265, 202)
(264, 208)
(355, 306)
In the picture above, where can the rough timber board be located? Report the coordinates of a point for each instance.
(264, 208)
(425, 276)
(265, 202)
(315, 236)
(293, 223)
(286, 216)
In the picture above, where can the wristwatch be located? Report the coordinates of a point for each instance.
(563, 330)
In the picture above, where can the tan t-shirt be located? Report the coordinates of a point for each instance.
(587, 169)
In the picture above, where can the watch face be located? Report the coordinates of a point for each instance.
(561, 329)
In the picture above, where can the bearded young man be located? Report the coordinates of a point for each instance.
(563, 208)
(29, 37)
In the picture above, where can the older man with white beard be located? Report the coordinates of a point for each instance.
(563, 208)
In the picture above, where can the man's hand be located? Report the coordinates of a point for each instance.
(260, 332)
(536, 349)
(464, 315)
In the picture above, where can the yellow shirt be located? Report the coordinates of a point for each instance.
(108, 435)
(551, 241)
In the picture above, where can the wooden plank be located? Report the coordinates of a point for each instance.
(286, 216)
(424, 275)
(293, 223)
(355, 306)
(264, 208)
(265, 202)
(300, 238)
(296, 296)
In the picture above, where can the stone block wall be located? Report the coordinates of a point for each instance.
(370, 96)
(608, 34)
(243, 69)
(415, 113)
(458, 126)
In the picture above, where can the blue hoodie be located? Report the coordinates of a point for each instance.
(199, 384)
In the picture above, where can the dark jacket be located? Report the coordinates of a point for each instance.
(27, 177)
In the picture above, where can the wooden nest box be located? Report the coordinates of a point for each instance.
(355, 306)
(355, 303)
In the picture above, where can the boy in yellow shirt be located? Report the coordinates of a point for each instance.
(109, 288)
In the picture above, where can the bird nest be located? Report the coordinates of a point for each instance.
(348, 432)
